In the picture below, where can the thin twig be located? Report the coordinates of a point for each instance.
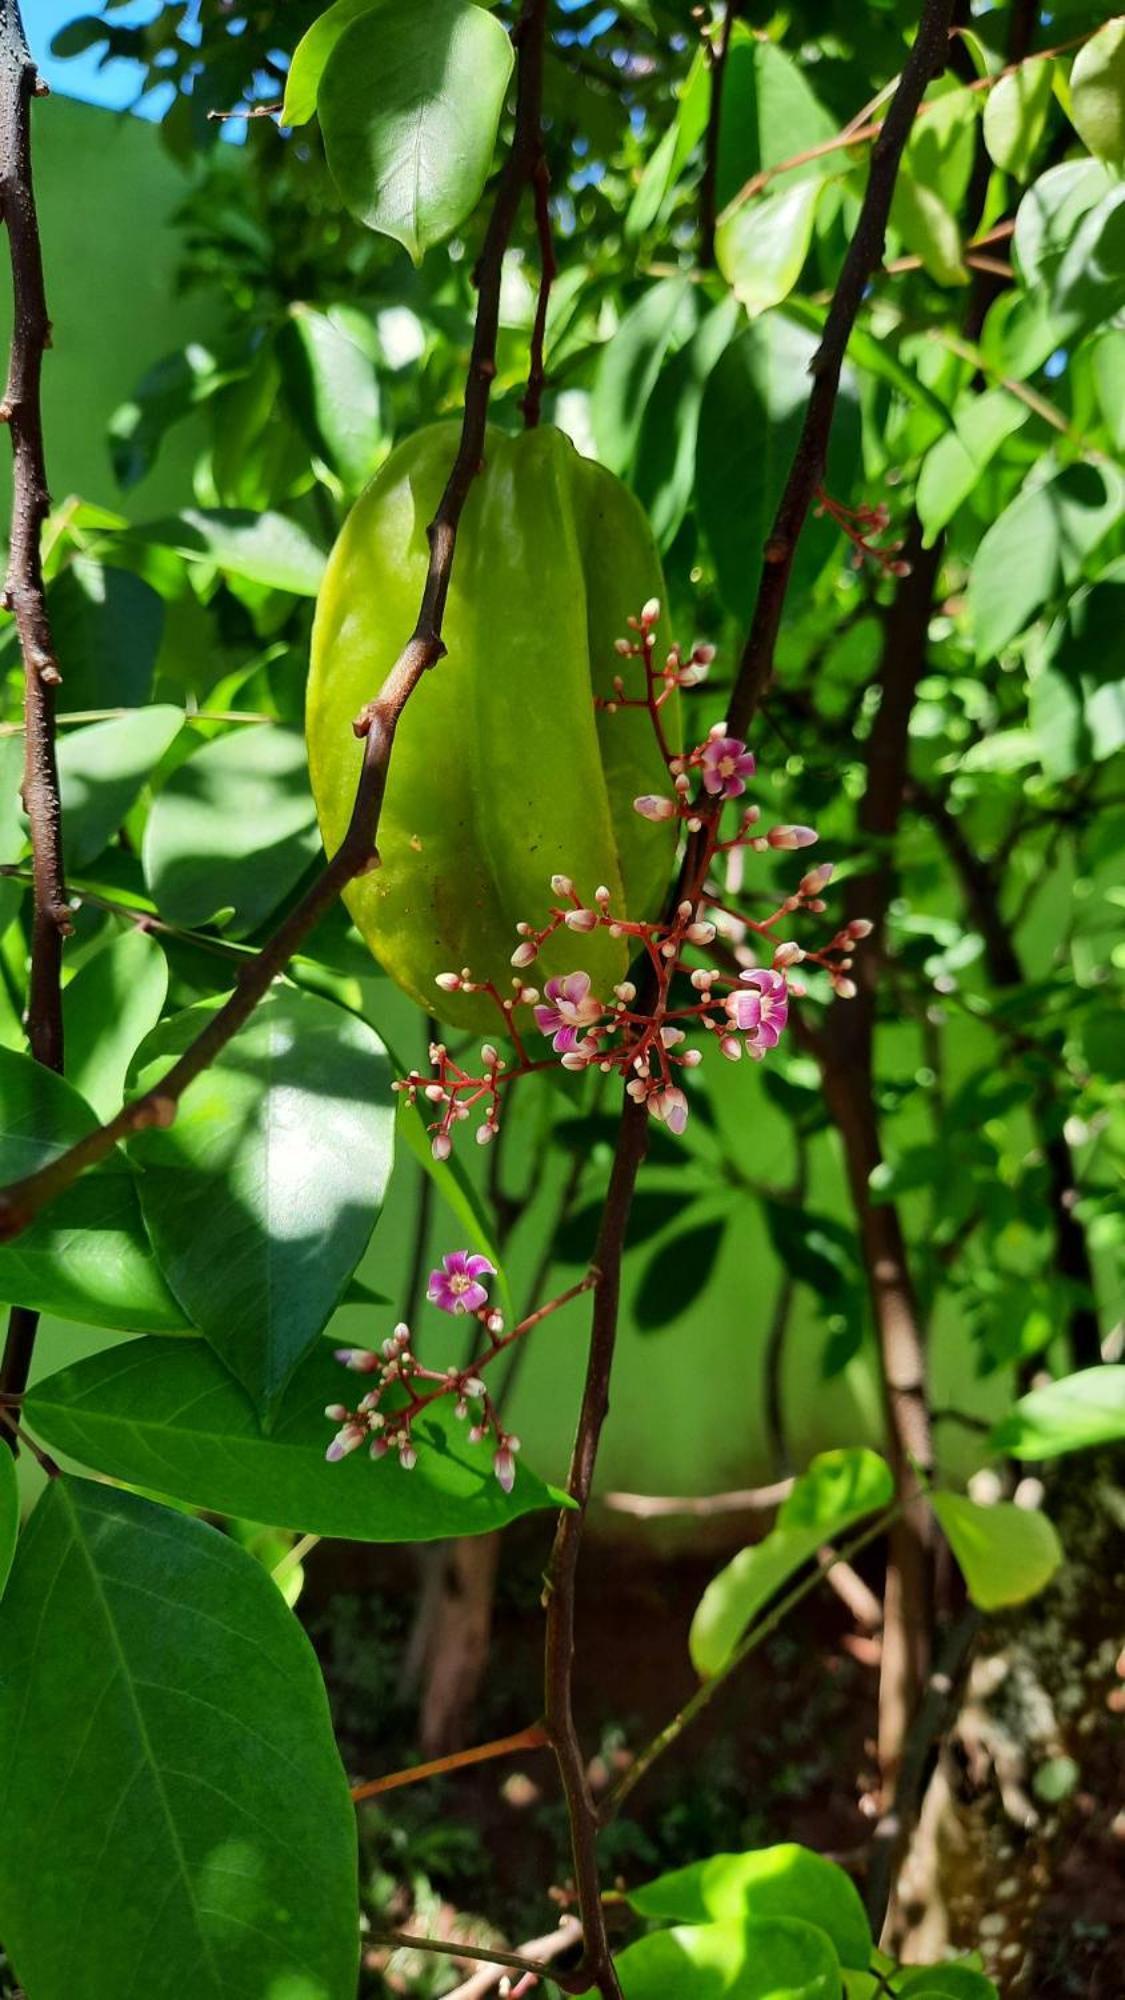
(533, 1738)
(24, 592)
(377, 722)
(510, 1961)
(532, 405)
(545, 1949)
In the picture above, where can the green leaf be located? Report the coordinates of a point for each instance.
(9, 1513)
(234, 829)
(753, 409)
(1037, 546)
(328, 366)
(761, 247)
(409, 103)
(107, 625)
(1097, 92)
(952, 1981)
(312, 53)
(664, 467)
(193, 1788)
(110, 1005)
(954, 466)
(102, 768)
(261, 548)
(1006, 1553)
(166, 1415)
(778, 1959)
(769, 113)
(929, 230)
(838, 1489)
(260, 1199)
(1050, 213)
(1015, 115)
(629, 366)
(784, 1881)
(86, 1257)
(669, 158)
(1084, 285)
(1069, 1415)
(875, 357)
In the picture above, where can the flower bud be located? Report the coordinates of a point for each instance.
(562, 885)
(653, 807)
(524, 954)
(441, 1146)
(448, 981)
(816, 879)
(650, 614)
(787, 954)
(581, 920)
(791, 836)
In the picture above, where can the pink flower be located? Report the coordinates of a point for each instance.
(456, 1288)
(727, 764)
(761, 1014)
(572, 1009)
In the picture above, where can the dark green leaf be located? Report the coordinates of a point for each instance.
(1036, 546)
(9, 1512)
(166, 1415)
(327, 364)
(190, 1783)
(102, 768)
(107, 625)
(677, 1275)
(664, 470)
(109, 1007)
(629, 366)
(769, 113)
(86, 1257)
(234, 829)
(261, 1197)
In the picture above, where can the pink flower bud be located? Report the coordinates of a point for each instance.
(816, 879)
(441, 1146)
(524, 954)
(791, 836)
(623, 646)
(787, 954)
(359, 1359)
(448, 981)
(504, 1466)
(653, 807)
(562, 885)
(845, 989)
(407, 1457)
(650, 614)
(731, 1048)
(485, 1134)
(345, 1441)
(859, 927)
(581, 920)
(336, 1413)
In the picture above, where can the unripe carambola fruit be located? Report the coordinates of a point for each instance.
(503, 771)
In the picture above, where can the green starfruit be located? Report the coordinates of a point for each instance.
(505, 771)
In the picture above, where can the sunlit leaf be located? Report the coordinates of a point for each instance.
(1006, 1553)
(1073, 1414)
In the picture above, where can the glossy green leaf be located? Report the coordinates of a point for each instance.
(234, 829)
(629, 366)
(1084, 273)
(777, 1959)
(9, 1512)
(1015, 115)
(1049, 214)
(312, 53)
(260, 1199)
(838, 1489)
(328, 366)
(166, 1415)
(188, 1778)
(678, 1275)
(875, 357)
(753, 408)
(1069, 1415)
(110, 1005)
(409, 104)
(260, 548)
(107, 625)
(667, 160)
(1006, 1553)
(954, 466)
(86, 1257)
(102, 768)
(929, 230)
(1036, 546)
(761, 246)
(1097, 92)
(784, 1881)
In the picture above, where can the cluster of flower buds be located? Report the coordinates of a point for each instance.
(651, 1028)
(861, 525)
(401, 1387)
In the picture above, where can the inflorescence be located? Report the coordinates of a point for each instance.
(642, 1029)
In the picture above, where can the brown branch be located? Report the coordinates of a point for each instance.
(24, 593)
(709, 184)
(544, 1949)
(865, 252)
(533, 1738)
(377, 722)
